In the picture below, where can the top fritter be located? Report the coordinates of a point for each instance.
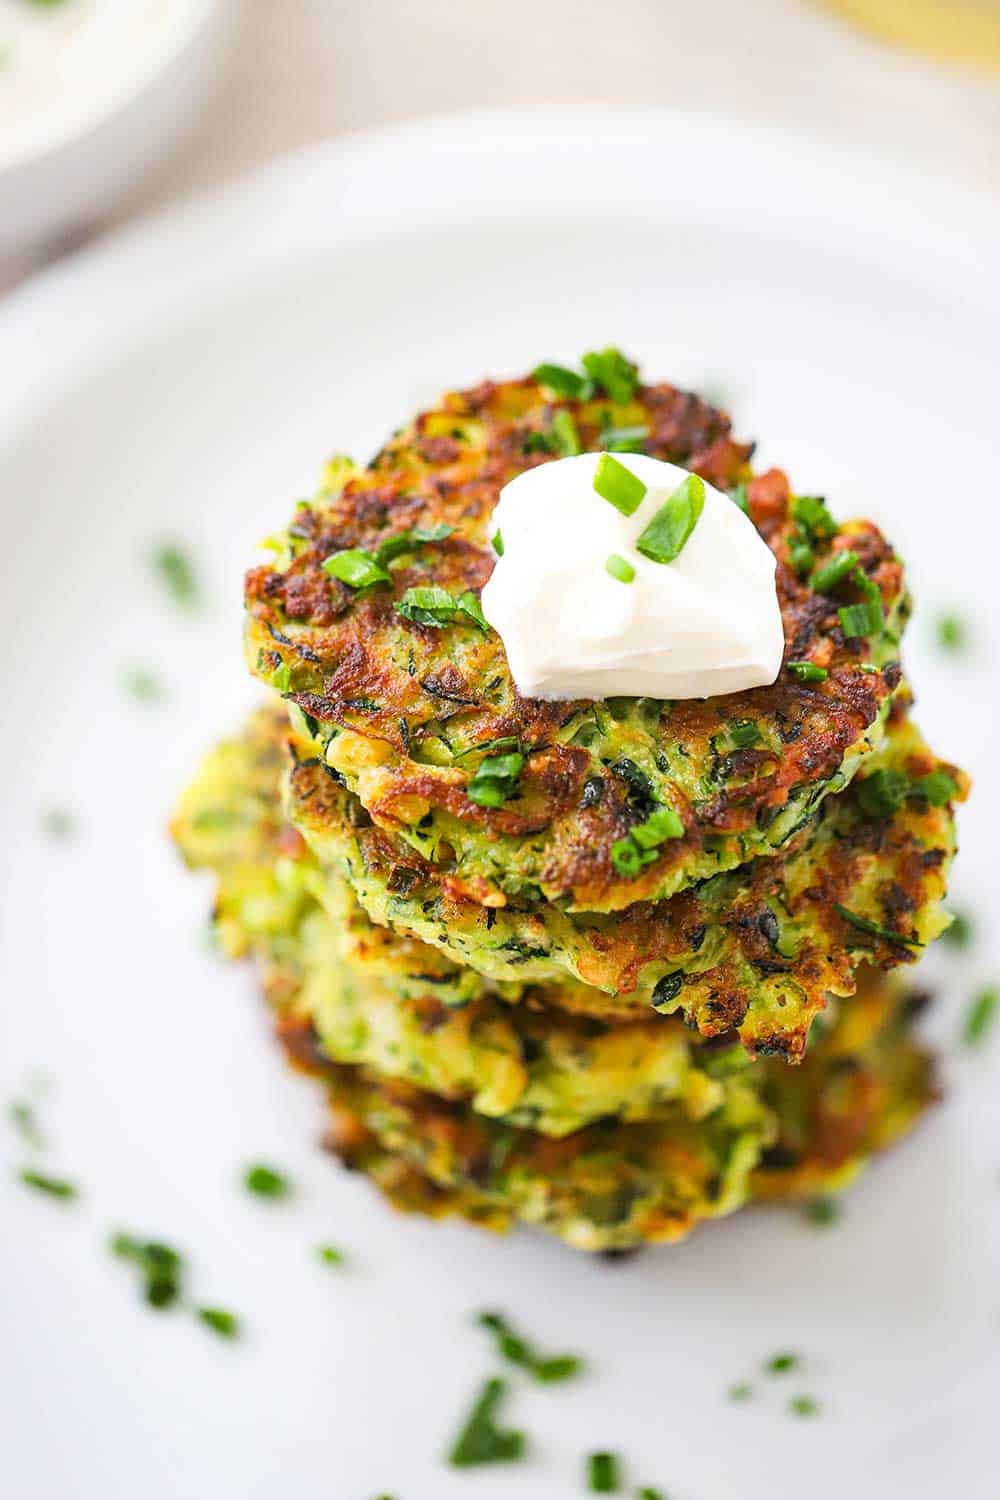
(369, 622)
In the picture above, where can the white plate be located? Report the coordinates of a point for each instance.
(187, 380)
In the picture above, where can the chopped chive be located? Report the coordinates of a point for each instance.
(981, 1017)
(55, 1187)
(883, 792)
(937, 787)
(952, 633)
(835, 571)
(142, 684)
(225, 1324)
(266, 1182)
(958, 933)
(801, 557)
(780, 1364)
(863, 924)
(740, 497)
(565, 432)
(405, 541)
(612, 373)
(742, 1391)
(619, 568)
(647, 1492)
(624, 439)
(162, 1267)
(281, 678)
(57, 823)
(618, 485)
(630, 854)
(356, 568)
(804, 1406)
(498, 542)
(822, 1211)
(437, 608)
(744, 733)
(547, 1369)
(538, 442)
(812, 515)
(561, 382)
(808, 671)
(25, 1122)
(667, 533)
(177, 573)
(480, 1440)
(495, 780)
(859, 620)
(604, 1473)
(330, 1255)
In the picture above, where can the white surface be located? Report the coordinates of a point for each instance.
(188, 380)
(707, 623)
(92, 96)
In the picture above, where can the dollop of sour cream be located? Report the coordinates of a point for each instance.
(706, 623)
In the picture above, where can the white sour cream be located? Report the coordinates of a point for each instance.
(707, 623)
(59, 61)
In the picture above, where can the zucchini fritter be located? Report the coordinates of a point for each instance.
(404, 710)
(754, 950)
(615, 1186)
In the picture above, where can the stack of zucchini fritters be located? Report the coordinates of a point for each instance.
(512, 1021)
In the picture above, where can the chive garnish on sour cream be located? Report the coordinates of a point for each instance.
(619, 568)
(618, 485)
(667, 533)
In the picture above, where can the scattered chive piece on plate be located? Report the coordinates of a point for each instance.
(565, 432)
(356, 568)
(822, 1211)
(161, 1265)
(981, 1017)
(667, 534)
(952, 633)
(266, 1182)
(780, 1364)
(619, 568)
(519, 1351)
(742, 1391)
(495, 779)
(57, 823)
(808, 671)
(647, 1492)
(498, 543)
(480, 1440)
(562, 382)
(142, 684)
(804, 1406)
(25, 1122)
(54, 1187)
(330, 1255)
(604, 1473)
(958, 934)
(618, 485)
(177, 573)
(225, 1324)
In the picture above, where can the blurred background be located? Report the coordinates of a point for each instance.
(913, 77)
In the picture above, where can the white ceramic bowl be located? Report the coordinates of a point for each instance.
(71, 163)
